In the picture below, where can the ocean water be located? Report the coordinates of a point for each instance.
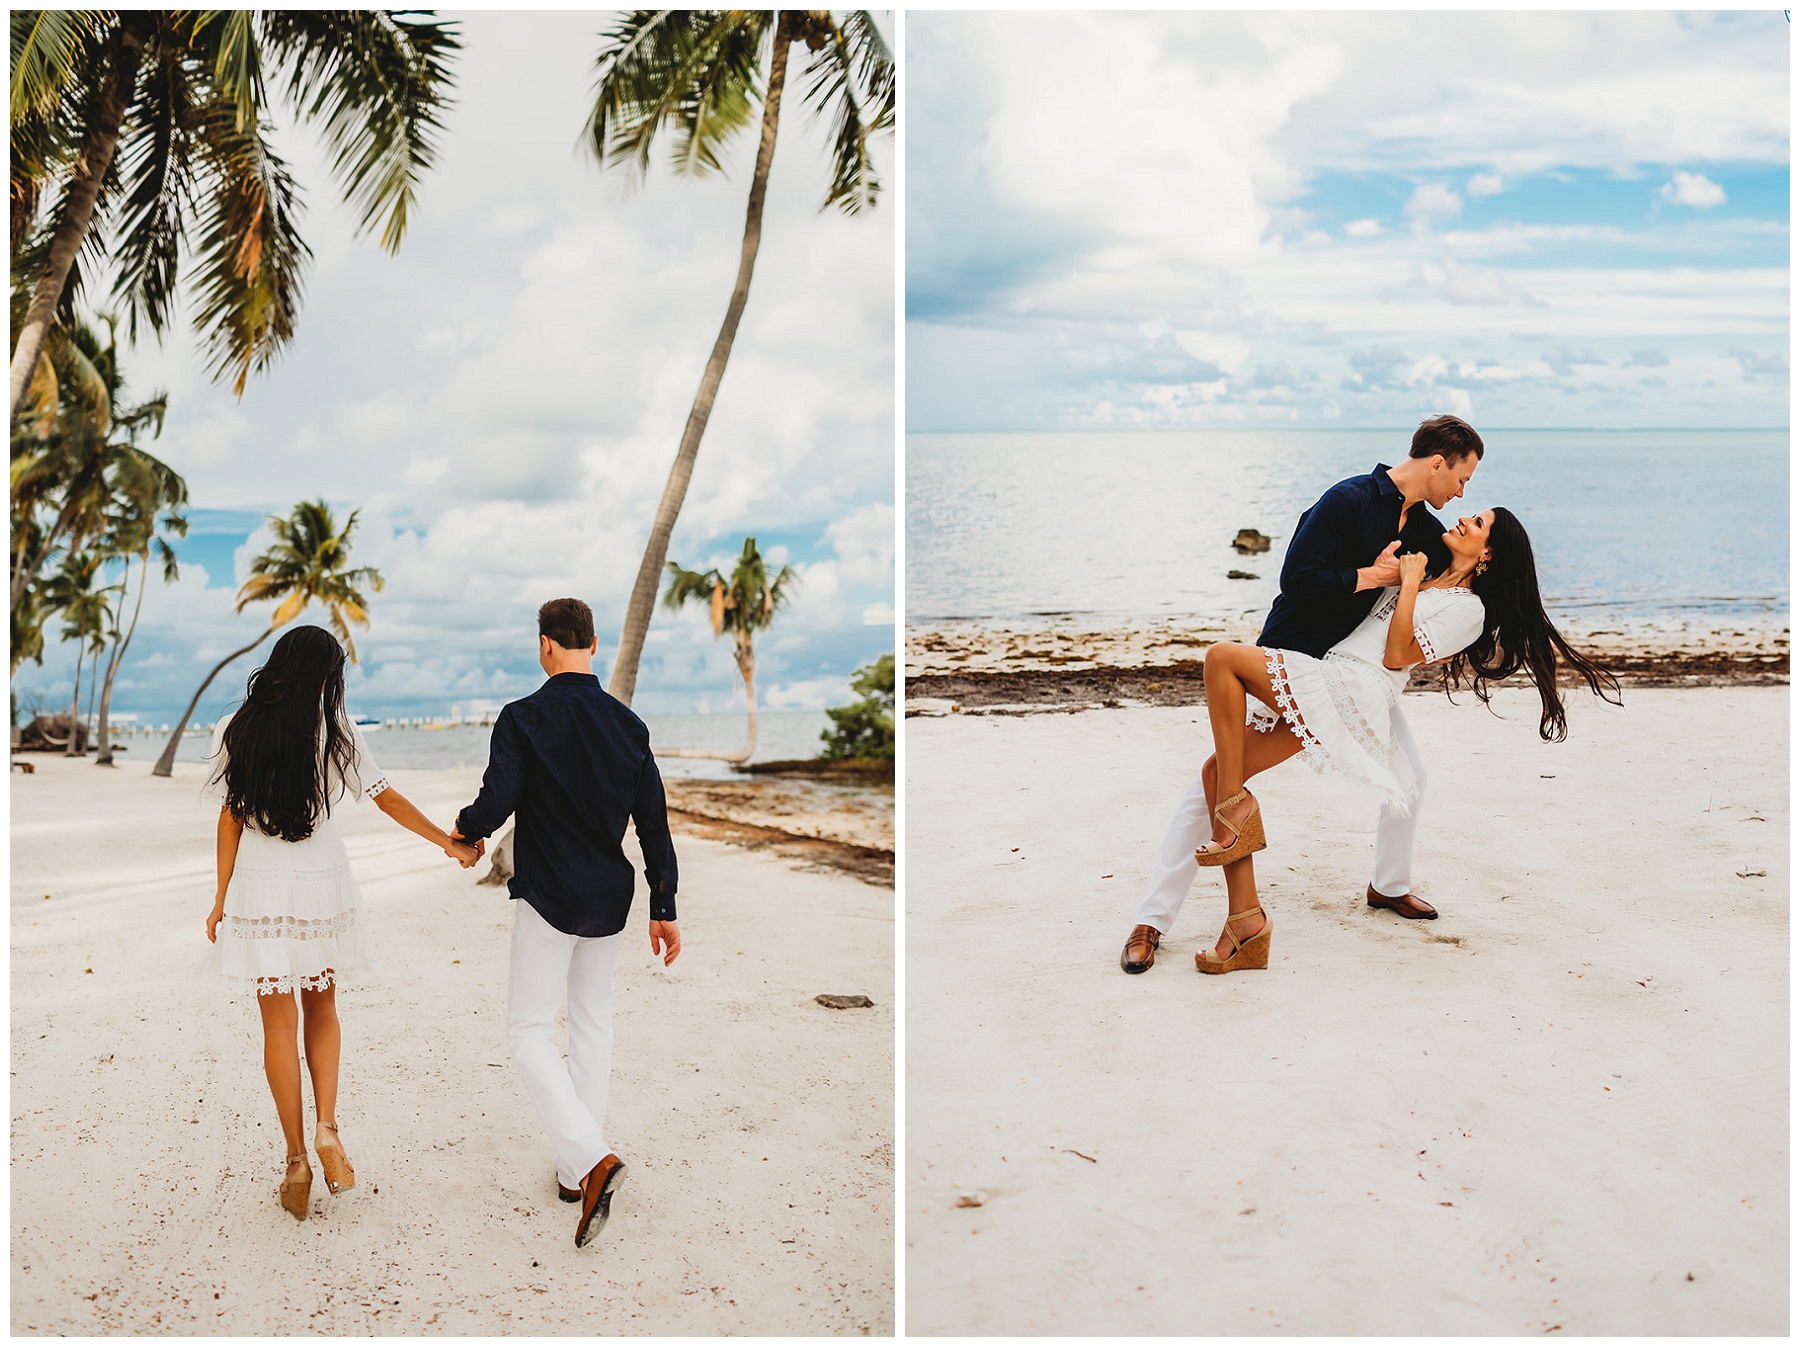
(1632, 530)
(780, 735)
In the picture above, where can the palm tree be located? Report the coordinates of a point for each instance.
(86, 607)
(699, 72)
(309, 563)
(153, 122)
(77, 442)
(744, 604)
(147, 503)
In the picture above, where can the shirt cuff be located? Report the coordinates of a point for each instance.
(662, 908)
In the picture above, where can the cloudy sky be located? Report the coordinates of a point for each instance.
(1176, 220)
(504, 398)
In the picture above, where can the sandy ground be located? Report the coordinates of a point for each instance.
(758, 1126)
(1561, 1107)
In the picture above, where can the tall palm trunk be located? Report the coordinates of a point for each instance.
(746, 662)
(165, 765)
(69, 748)
(643, 593)
(112, 666)
(127, 50)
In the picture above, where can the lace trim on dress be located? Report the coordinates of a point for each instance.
(381, 784)
(1345, 705)
(291, 928)
(1311, 750)
(285, 982)
(1423, 637)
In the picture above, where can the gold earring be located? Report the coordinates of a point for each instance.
(1481, 568)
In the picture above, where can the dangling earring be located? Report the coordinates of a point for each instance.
(1481, 568)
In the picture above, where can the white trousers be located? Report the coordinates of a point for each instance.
(1175, 867)
(570, 1096)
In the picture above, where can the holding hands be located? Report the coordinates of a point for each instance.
(1381, 572)
(464, 853)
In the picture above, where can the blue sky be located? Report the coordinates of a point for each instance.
(503, 399)
(1180, 220)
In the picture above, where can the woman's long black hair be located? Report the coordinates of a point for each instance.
(289, 738)
(1516, 632)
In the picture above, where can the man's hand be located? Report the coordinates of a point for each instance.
(472, 852)
(665, 934)
(1381, 572)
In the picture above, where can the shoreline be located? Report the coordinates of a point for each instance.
(958, 666)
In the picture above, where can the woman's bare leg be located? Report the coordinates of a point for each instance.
(324, 1041)
(1234, 673)
(281, 1063)
(1260, 752)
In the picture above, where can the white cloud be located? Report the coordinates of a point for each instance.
(1693, 189)
(1432, 203)
(1485, 184)
(1363, 229)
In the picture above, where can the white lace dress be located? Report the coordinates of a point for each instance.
(294, 917)
(1341, 706)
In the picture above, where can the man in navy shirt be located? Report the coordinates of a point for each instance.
(1343, 553)
(574, 765)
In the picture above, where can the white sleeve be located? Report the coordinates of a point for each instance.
(1451, 624)
(369, 780)
(213, 791)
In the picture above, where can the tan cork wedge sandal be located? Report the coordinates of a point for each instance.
(1251, 953)
(1246, 836)
(296, 1192)
(340, 1175)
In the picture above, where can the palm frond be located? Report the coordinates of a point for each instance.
(250, 253)
(378, 81)
(854, 54)
(156, 175)
(46, 45)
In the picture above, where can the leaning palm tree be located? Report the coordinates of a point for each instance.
(743, 603)
(700, 73)
(153, 125)
(148, 498)
(309, 563)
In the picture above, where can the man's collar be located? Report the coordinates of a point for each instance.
(574, 678)
(1384, 480)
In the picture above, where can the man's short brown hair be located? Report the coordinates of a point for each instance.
(1450, 436)
(568, 622)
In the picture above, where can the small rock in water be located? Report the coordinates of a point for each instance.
(970, 1199)
(831, 1002)
(1249, 541)
(1241, 575)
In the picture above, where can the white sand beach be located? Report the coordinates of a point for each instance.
(756, 1124)
(1562, 1107)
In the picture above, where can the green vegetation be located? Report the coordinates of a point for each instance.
(865, 728)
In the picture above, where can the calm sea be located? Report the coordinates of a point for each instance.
(1632, 529)
(780, 735)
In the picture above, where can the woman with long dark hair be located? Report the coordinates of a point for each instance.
(1482, 616)
(287, 916)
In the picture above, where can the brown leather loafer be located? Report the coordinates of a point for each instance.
(597, 1191)
(1140, 950)
(567, 1194)
(1413, 909)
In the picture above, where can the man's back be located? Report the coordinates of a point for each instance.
(574, 764)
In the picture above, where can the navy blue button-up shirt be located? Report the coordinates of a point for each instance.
(574, 764)
(1346, 528)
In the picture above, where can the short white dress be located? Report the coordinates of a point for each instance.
(1342, 706)
(294, 918)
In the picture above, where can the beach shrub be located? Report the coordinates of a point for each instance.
(865, 728)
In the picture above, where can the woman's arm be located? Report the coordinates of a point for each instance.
(402, 810)
(1402, 646)
(230, 831)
